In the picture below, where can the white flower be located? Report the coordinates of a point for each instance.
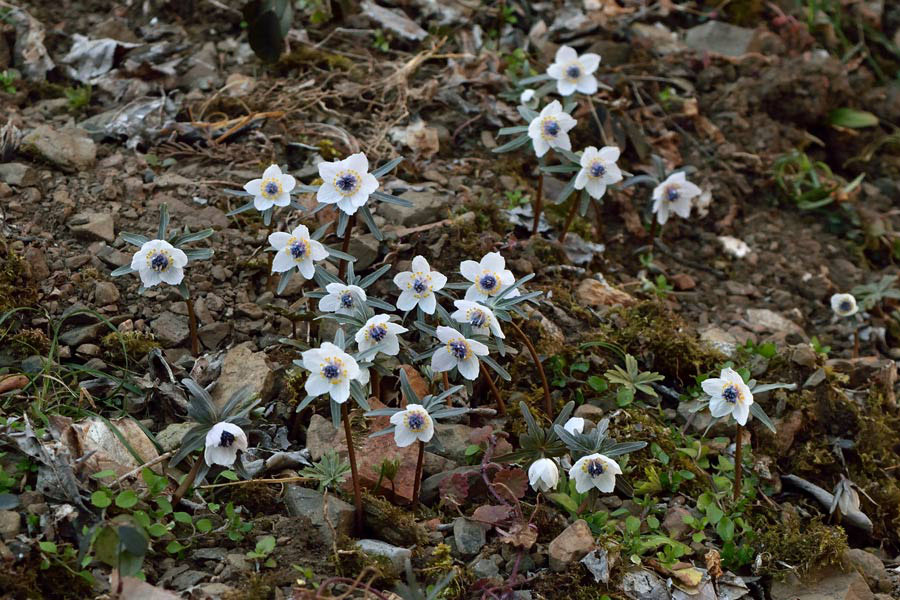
(296, 249)
(574, 73)
(595, 470)
(412, 424)
(526, 96)
(480, 317)
(342, 299)
(377, 330)
(844, 305)
(674, 195)
(574, 425)
(728, 395)
(222, 443)
(159, 261)
(489, 277)
(274, 189)
(346, 183)
(330, 372)
(550, 129)
(417, 287)
(457, 352)
(598, 170)
(702, 203)
(543, 475)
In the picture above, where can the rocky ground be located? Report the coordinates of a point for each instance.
(170, 106)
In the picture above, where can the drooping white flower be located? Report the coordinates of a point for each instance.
(844, 305)
(550, 129)
(702, 202)
(574, 73)
(489, 277)
(595, 471)
(598, 170)
(379, 329)
(543, 475)
(412, 424)
(158, 261)
(728, 395)
(574, 425)
(342, 299)
(346, 183)
(222, 443)
(674, 195)
(458, 352)
(330, 372)
(274, 189)
(526, 96)
(417, 287)
(479, 316)
(296, 249)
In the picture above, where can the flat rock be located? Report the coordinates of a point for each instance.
(69, 149)
(592, 292)
(242, 366)
(170, 329)
(18, 174)
(365, 249)
(869, 566)
(720, 340)
(395, 554)
(10, 524)
(571, 545)
(170, 437)
(428, 206)
(453, 439)
(105, 292)
(94, 226)
(309, 503)
(833, 586)
(720, 38)
(469, 537)
(763, 319)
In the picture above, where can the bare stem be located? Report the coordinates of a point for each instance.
(654, 229)
(446, 380)
(345, 246)
(417, 482)
(856, 343)
(192, 324)
(548, 403)
(188, 480)
(738, 462)
(357, 495)
(501, 406)
(146, 465)
(538, 202)
(569, 218)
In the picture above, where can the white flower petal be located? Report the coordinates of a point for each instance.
(283, 261)
(469, 367)
(442, 360)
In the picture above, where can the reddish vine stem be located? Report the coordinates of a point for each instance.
(357, 495)
(417, 483)
(192, 324)
(501, 406)
(538, 202)
(569, 218)
(188, 480)
(548, 403)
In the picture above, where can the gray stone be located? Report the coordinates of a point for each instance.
(242, 366)
(10, 524)
(238, 562)
(674, 522)
(188, 579)
(38, 261)
(428, 206)
(644, 584)
(321, 436)
(18, 174)
(69, 149)
(93, 226)
(591, 412)
(834, 585)
(82, 335)
(453, 439)
(216, 554)
(719, 339)
(396, 555)
(309, 503)
(720, 38)
(170, 438)
(88, 350)
(105, 292)
(571, 545)
(431, 485)
(214, 334)
(469, 537)
(763, 319)
(170, 329)
(365, 249)
(486, 567)
(869, 566)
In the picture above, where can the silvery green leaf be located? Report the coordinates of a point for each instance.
(760, 414)
(187, 238)
(135, 239)
(382, 412)
(391, 199)
(201, 407)
(340, 255)
(425, 328)
(199, 253)
(496, 367)
(336, 414)
(639, 179)
(340, 339)
(304, 403)
(123, 270)
(380, 304)
(772, 386)
(309, 189)
(533, 79)
(183, 290)
(512, 145)
(512, 130)
(237, 193)
(283, 281)
(343, 221)
(387, 167)
(319, 233)
(561, 169)
(584, 203)
(267, 216)
(527, 113)
(163, 221)
(358, 394)
(566, 191)
(324, 277)
(240, 209)
(623, 448)
(366, 215)
(444, 315)
(381, 432)
(373, 277)
(572, 156)
(408, 392)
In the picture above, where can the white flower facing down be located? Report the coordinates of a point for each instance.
(417, 287)
(550, 129)
(844, 305)
(296, 249)
(598, 170)
(222, 443)
(330, 372)
(489, 277)
(346, 183)
(342, 299)
(728, 395)
(411, 425)
(158, 261)
(674, 195)
(574, 425)
(379, 330)
(526, 96)
(458, 352)
(595, 471)
(574, 73)
(543, 475)
(274, 189)
(480, 317)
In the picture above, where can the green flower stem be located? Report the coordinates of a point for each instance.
(192, 324)
(548, 403)
(357, 495)
(738, 462)
(417, 482)
(345, 246)
(188, 480)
